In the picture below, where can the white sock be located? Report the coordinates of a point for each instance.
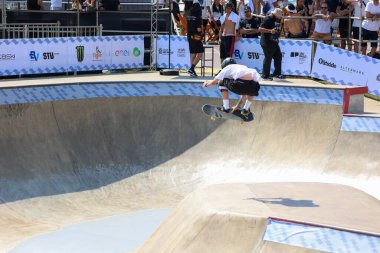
(247, 105)
(226, 103)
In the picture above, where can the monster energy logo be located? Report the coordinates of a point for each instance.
(80, 53)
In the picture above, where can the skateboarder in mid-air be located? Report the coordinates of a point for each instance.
(239, 79)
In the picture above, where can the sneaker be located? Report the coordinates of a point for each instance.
(245, 112)
(192, 73)
(279, 77)
(221, 108)
(267, 78)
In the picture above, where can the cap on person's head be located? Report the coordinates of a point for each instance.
(247, 8)
(230, 5)
(227, 62)
(277, 12)
(291, 8)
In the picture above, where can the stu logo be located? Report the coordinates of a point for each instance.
(34, 56)
(48, 56)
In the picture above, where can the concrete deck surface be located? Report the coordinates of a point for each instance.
(65, 162)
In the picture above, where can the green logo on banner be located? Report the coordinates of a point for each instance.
(80, 53)
(136, 52)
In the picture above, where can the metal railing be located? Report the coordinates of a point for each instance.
(350, 39)
(46, 30)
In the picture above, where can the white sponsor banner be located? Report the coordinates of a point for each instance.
(341, 66)
(46, 55)
(179, 52)
(296, 54)
(88, 53)
(373, 81)
(54, 55)
(13, 58)
(127, 51)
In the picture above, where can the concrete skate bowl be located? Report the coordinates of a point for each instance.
(64, 162)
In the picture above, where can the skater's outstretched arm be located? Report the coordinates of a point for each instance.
(208, 83)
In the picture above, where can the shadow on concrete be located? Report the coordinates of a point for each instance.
(76, 145)
(286, 202)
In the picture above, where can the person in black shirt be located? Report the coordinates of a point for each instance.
(194, 37)
(187, 8)
(332, 5)
(249, 27)
(344, 9)
(270, 32)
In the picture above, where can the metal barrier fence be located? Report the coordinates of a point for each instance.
(46, 30)
(49, 30)
(350, 39)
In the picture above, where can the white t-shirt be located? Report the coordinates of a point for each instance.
(235, 71)
(233, 17)
(322, 26)
(356, 5)
(369, 24)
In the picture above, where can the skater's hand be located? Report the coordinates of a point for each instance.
(234, 108)
(205, 84)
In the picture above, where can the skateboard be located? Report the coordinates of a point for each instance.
(214, 113)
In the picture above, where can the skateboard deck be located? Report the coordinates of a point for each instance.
(212, 111)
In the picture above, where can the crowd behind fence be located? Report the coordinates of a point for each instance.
(49, 30)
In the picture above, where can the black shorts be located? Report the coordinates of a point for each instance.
(355, 32)
(227, 44)
(299, 35)
(241, 87)
(195, 46)
(369, 35)
(343, 31)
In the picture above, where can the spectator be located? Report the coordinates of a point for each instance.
(234, 4)
(76, 5)
(257, 6)
(187, 8)
(371, 26)
(309, 7)
(332, 5)
(316, 6)
(270, 33)
(294, 28)
(56, 5)
(110, 5)
(206, 13)
(175, 10)
(302, 11)
(230, 23)
(322, 30)
(249, 26)
(194, 36)
(240, 9)
(217, 10)
(359, 9)
(344, 10)
(35, 5)
(89, 5)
